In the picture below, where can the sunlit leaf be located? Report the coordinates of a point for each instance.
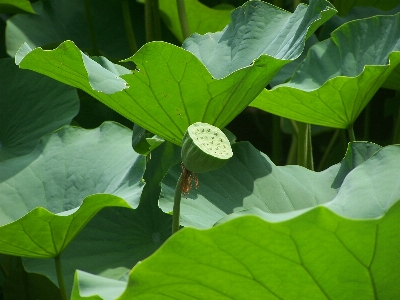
(171, 89)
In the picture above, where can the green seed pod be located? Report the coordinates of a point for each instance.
(205, 148)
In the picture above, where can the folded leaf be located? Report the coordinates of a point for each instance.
(340, 75)
(42, 192)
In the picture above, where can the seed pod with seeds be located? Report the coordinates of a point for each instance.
(204, 148)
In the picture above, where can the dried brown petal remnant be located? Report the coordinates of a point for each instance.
(186, 183)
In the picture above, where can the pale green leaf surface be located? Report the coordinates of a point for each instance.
(13, 6)
(88, 286)
(250, 182)
(118, 237)
(32, 105)
(317, 255)
(58, 20)
(392, 82)
(170, 88)
(74, 164)
(258, 28)
(70, 65)
(340, 75)
(201, 18)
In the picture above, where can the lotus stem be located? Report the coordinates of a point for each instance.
(152, 20)
(292, 159)
(351, 133)
(128, 26)
(60, 278)
(310, 158)
(177, 205)
(183, 18)
(303, 145)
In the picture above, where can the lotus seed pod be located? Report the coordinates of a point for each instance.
(205, 148)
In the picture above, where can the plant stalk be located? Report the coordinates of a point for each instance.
(350, 130)
(130, 35)
(310, 158)
(303, 144)
(183, 18)
(292, 159)
(177, 206)
(152, 21)
(60, 278)
(92, 31)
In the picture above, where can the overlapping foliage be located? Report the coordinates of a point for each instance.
(84, 200)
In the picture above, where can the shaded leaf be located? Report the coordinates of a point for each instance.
(250, 182)
(88, 286)
(58, 20)
(344, 6)
(118, 237)
(42, 192)
(32, 105)
(201, 19)
(258, 29)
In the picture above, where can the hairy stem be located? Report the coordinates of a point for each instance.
(60, 278)
(177, 205)
(92, 31)
(130, 35)
(183, 18)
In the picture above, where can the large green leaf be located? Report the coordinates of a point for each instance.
(251, 183)
(201, 18)
(340, 75)
(118, 237)
(70, 65)
(32, 105)
(171, 88)
(42, 192)
(13, 6)
(89, 27)
(392, 82)
(258, 29)
(317, 255)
